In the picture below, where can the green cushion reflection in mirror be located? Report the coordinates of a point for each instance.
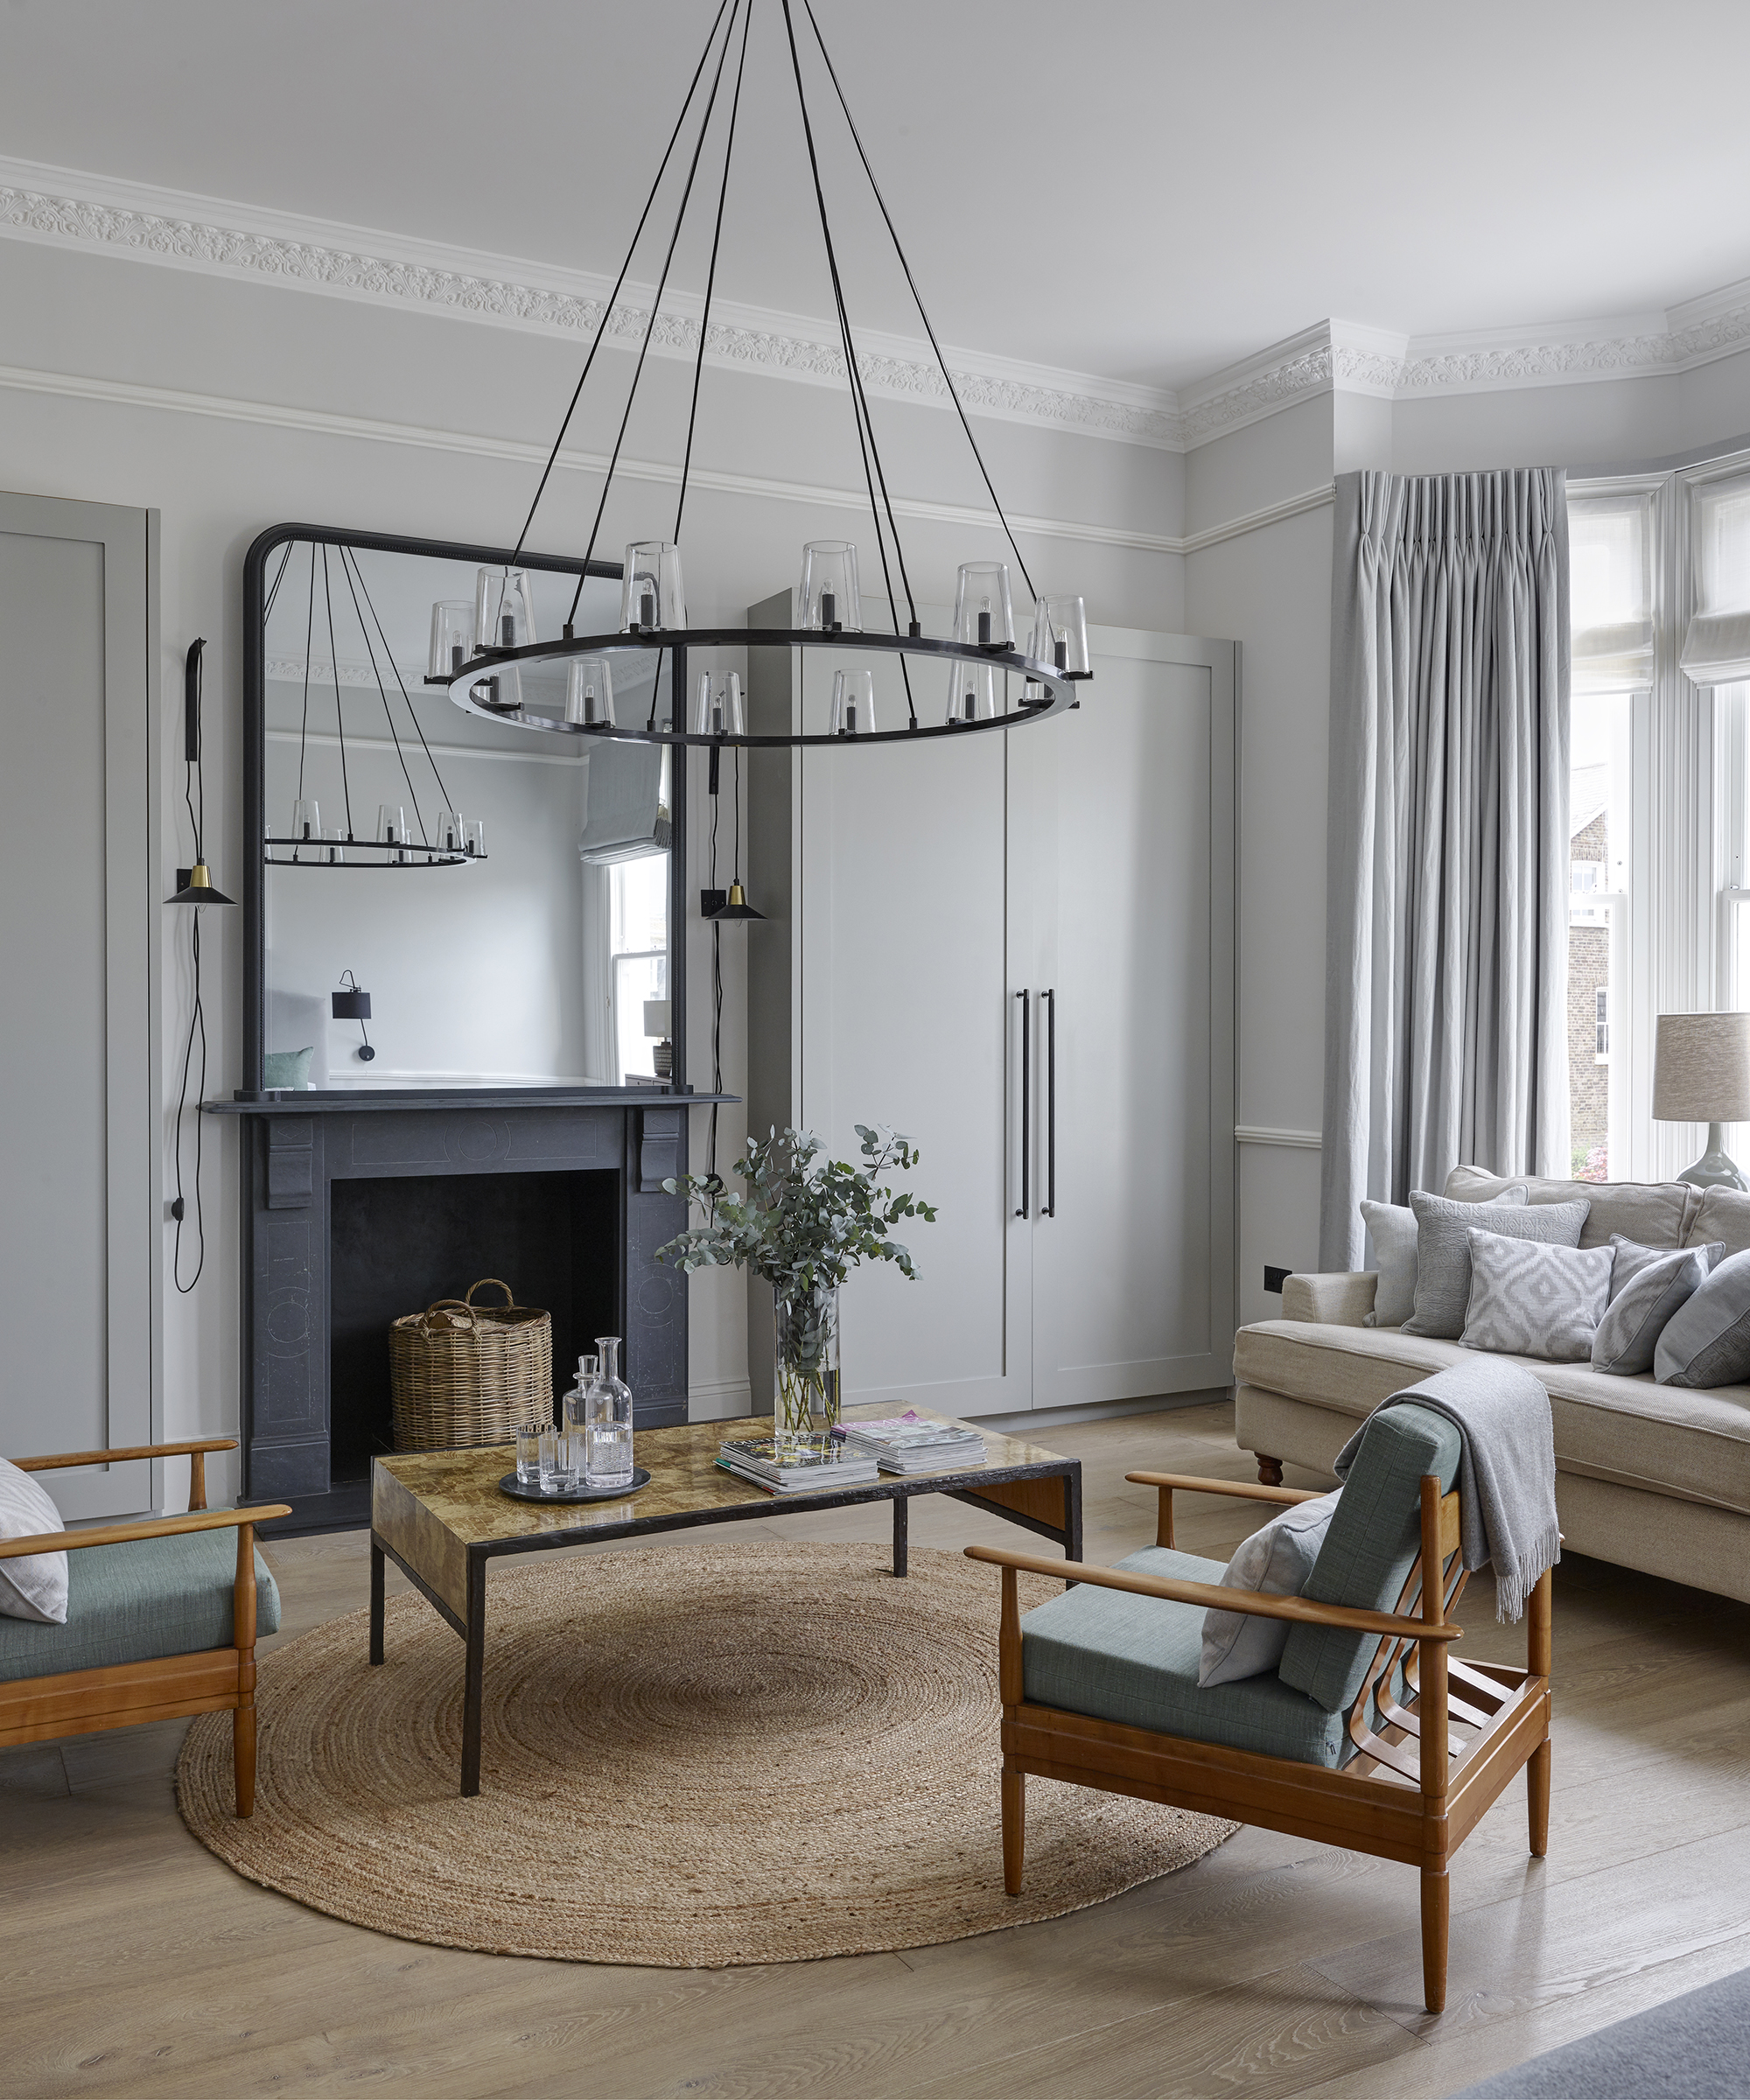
(287, 1068)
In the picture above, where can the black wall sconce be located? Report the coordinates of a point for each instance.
(351, 1004)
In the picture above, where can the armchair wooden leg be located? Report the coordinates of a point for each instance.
(1269, 1470)
(1014, 1829)
(243, 1755)
(1537, 1798)
(1436, 1915)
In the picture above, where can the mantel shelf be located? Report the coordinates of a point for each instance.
(342, 1102)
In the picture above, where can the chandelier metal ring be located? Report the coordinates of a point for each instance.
(1056, 693)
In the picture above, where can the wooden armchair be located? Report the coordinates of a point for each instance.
(147, 1585)
(1403, 1768)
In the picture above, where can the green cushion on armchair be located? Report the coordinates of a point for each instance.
(1371, 1547)
(130, 1603)
(1133, 1659)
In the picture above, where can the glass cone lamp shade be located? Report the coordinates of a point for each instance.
(451, 832)
(474, 836)
(306, 823)
(504, 612)
(452, 637)
(982, 614)
(1061, 635)
(392, 826)
(652, 595)
(336, 855)
(589, 692)
(971, 693)
(718, 709)
(831, 598)
(853, 702)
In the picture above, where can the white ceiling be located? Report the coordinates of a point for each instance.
(1145, 192)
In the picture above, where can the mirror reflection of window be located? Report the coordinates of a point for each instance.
(638, 911)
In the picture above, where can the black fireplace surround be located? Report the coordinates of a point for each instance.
(358, 1206)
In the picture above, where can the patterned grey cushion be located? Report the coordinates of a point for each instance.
(1647, 1285)
(1706, 1341)
(1443, 1254)
(1528, 1299)
(1391, 1227)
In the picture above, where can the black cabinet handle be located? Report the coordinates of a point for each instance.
(1027, 1091)
(1049, 1209)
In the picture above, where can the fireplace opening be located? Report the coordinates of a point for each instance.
(398, 1244)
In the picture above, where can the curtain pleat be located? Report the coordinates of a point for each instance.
(1446, 958)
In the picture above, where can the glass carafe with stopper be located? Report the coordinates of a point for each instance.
(574, 1418)
(607, 1427)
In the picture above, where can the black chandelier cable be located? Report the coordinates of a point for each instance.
(859, 405)
(309, 632)
(608, 310)
(334, 665)
(917, 297)
(656, 307)
(389, 653)
(273, 588)
(710, 273)
(388, 712)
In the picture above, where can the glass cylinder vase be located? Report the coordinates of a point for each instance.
(805, 1362)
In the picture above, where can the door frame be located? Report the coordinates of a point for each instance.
(133, 990)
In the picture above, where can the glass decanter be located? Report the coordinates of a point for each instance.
(607, 1425)
(574, 1416)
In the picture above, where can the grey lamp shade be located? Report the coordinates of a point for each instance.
(1701, 1068)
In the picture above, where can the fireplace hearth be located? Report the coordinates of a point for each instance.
(357, 1209)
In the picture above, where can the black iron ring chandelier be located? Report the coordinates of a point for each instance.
(493, 663)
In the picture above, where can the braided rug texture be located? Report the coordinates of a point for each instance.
(693, 1756)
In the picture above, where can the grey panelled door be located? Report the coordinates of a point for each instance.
(79, 1229)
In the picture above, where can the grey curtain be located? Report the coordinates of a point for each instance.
(1445, 1015)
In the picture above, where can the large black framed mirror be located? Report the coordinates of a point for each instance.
(513, 904)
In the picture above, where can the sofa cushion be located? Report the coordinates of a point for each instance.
(1391, 1228)
(1627, 1430)
(130, 1603)
(1370, 1548)
(1443, 1254)
(1723, 1213)
(1542, 1301)
(32, 1585)
(1655, 1213)
(1276, 1560)
(1647, 1285)
(1706, 1342)
(1133, 1659)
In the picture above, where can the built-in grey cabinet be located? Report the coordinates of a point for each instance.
(1018, 948)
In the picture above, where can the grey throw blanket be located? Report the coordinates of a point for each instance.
(1506, 1470)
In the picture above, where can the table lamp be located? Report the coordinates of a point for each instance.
(656, 1023)
(1701, 1073)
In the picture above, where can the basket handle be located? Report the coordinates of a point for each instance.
(438, 1305)
(510, 1295)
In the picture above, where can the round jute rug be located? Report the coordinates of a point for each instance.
(693, 1756)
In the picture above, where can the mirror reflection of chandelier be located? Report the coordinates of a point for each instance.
(491, 659)
(399, 835)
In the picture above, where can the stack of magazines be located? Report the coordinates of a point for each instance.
(913, 1443)
(792, 1464)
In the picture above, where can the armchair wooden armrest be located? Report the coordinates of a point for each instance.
(1255, 1604)
(148, 1527)
(1246, 1490)
(194, 1451)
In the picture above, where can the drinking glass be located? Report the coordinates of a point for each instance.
(528, 1455)
(552, 1459)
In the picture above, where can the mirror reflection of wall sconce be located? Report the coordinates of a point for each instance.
(352, 1004)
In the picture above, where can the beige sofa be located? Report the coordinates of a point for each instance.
(1651, 1476)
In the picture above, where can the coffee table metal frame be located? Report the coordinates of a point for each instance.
(970, 1486)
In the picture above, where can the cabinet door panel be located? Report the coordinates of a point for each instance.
(908, 1019)
(1132, 1245)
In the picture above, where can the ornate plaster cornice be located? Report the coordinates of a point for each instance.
(96, 213)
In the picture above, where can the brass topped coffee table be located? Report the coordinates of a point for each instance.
(440, 1517)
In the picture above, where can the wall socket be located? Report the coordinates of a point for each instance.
(711, 900)
(1275, 1278)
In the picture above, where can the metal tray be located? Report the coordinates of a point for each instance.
(513, 1487)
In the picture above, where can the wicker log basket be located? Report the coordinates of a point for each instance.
(463, 1374)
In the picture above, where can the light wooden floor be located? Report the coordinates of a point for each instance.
(132, 1963)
